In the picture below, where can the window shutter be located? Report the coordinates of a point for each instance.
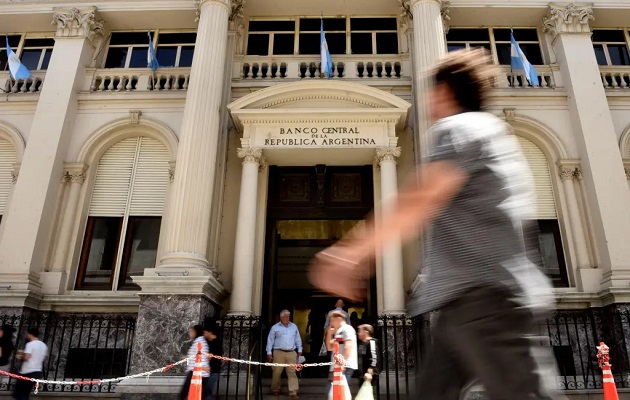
(8, 157)
(113, 179)
(546, 204)
(150, 179)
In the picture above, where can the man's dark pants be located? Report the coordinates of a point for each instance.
(482, 336)
(23, 388)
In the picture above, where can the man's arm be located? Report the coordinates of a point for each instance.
(270, 340)
(298, 340)
(415, 206)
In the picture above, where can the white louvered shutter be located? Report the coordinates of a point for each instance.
(113, 179)
(150, 179)
(8, 157)
(546, 204)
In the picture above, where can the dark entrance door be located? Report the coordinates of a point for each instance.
(309, 209)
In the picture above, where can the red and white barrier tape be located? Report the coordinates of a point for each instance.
(298, 367)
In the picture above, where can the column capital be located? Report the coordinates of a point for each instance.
(226, 3)
(387, 154)
(74, 173)
(568, 18)
(250, 155)
(566, 172)
(77, 22)
(406, 13)
(579, 175)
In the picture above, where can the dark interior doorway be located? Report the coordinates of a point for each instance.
(309, 209)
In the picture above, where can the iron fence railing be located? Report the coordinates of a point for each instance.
(80, 347)
(572, 335)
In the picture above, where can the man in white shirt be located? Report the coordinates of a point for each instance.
(35, 353)
(346, 336)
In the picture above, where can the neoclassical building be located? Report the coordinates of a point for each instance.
(204, 188)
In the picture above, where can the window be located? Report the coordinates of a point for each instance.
(344, 35)
(8, 157)
(175, 49)
(123, 227)
(34, 52)
(545, 239)
(129, 49)
(497, 42)
(611, 47)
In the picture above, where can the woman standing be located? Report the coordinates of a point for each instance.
(196, 334)
(7, 347)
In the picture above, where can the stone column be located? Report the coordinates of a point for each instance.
(605, 185)
(190, 205)
(429, 18)
(28, 222)
(392, 286)
(583, 264)
(245, 246)
(54, 280)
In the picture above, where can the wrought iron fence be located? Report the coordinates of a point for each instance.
(242, 339)
(571, 335)
(80, 347)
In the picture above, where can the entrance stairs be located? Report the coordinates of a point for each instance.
(310, 389)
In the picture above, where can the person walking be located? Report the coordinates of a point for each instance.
(284, 346)
(368, 355)
(215, 347)
(196, 334)
(32, 358)
(478, 192)
(346, 336)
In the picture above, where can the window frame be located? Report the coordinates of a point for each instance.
(493, 42)
(80, 283)
(123, 267)
(626, 35)
(20, 47)
(348, 32)
(155, 37)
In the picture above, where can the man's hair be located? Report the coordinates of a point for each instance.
(469, 74)
(368, 328)
(284, 312)
(33, 331)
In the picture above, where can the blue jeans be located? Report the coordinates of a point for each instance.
(211, 385)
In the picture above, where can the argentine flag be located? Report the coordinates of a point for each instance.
(152, 61)
(17, 69)
(520, 63)
(327, 64)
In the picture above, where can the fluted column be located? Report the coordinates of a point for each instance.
(605, 185)
(190, 205)
(392, 286)
(74, 176)
(245, 246)
(430, 19)
(567, 175)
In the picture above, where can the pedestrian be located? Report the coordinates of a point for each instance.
(7, 347)
(196, 334)
(346, 336)
(284, 346)
(215, 348)
(32, 358)
(368, 355)
(477, 190)
(328, 333)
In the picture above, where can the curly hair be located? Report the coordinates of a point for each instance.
(470, 74)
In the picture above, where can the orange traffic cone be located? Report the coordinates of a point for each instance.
(608, 382)
(195, 384)
(340, 388)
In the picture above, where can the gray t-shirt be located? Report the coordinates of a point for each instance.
(477, 240)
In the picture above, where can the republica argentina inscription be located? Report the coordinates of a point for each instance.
(318, 136)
